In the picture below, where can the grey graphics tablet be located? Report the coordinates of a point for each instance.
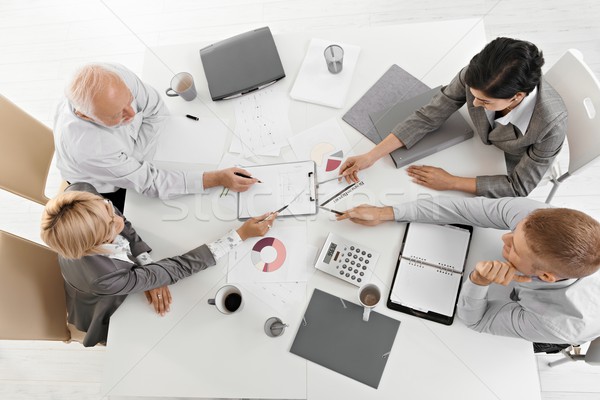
(241, 64)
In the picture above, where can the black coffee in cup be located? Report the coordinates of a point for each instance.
(233, 301)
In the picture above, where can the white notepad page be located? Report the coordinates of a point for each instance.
(281, 184)
(315, 84)
(419, 285)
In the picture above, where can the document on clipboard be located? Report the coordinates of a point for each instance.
(292, 184)
(429, 271)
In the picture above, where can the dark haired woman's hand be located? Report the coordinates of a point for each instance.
(431, 177)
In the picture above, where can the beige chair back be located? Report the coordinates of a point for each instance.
(32, 296)
(26, 151)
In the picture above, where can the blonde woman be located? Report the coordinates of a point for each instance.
(102, 258)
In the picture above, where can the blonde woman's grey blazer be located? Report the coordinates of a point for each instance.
(97, 285)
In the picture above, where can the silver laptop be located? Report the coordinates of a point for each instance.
(453, 131)
(241, 64)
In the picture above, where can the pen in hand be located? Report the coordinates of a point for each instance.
(332, 210)
(246, 176)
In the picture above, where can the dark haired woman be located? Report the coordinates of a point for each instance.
(511, 106)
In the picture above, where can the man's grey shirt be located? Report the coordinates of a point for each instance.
(566, 311)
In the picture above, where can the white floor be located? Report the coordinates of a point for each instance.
(42, 41)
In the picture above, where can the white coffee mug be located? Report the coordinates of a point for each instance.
(228, 299)
(369, 296)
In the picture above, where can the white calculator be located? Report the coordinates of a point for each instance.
(347, 260)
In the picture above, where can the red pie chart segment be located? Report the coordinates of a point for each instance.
(332, 164)
(257, 257)
(334, 161)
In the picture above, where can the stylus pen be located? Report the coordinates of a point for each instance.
(246, 176)
(331, 179)
(275, 212)
(332, 210)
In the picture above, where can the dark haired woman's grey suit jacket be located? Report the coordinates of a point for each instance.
(97, 285)
(528, 156)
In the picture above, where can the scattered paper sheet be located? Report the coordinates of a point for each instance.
(187, 141)
(328, 147)
(279, 256)
(262, 123)
(315, 84)
(281, 296)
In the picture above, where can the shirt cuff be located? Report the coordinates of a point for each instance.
(224, 245)
(144, 258)
(473, 290)
(194, 182)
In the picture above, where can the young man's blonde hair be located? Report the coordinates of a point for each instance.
(86, 83)
(566, 241)
(74, 224)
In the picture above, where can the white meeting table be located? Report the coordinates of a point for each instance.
(196, 352)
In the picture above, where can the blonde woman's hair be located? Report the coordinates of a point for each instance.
(88, 81)
(74, 224)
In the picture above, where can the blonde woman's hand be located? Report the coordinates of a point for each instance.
(258, 226)
(160, 298)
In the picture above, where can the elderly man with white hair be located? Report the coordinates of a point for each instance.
(105, 133)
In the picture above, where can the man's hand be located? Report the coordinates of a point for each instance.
(352, 165)
(160, 298)
(368, 215)
(228, 178)
(487, 272)
(258, 226)
(431, 177)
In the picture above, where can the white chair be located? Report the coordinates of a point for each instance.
(592, 355)
(580, 90)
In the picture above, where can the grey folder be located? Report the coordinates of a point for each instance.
(241, 64)
(453, 131)
(394, 85)
(333, 334)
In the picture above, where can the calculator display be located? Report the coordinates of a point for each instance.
(330, 252)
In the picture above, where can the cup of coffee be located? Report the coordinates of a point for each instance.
(369, 296)
(182, 85)
(228, 299)
(334, 56)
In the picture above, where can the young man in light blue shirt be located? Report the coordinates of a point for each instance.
(552, 255)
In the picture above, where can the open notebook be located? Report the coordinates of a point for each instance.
(429, 271)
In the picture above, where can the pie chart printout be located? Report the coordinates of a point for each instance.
(334, 161)
(268, 254)
(319, 151)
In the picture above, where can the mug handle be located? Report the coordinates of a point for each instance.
(211, 302)
(174, 94)
(366, 314)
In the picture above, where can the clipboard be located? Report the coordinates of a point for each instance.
(293, 184)
(429, 271)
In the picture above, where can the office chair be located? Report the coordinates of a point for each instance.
(26, 151)
(592, 356)
(32, 296)
(580, 91)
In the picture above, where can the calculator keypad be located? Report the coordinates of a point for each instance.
(349, 262)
